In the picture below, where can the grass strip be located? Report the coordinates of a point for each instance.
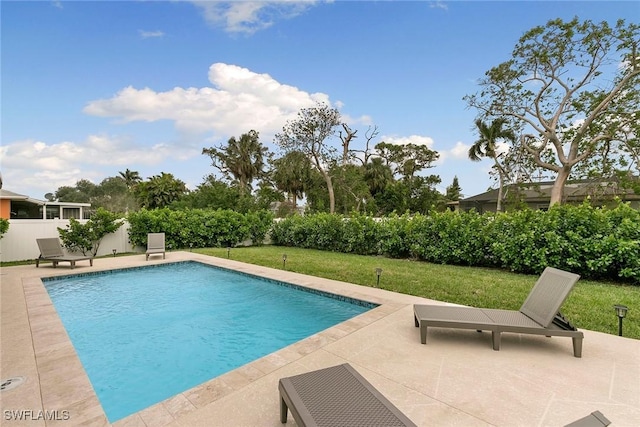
(589, 306)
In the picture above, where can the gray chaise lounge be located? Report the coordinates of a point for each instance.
(51, 250)
(594, 419)
(538, 315)
(155, 244)
(336, 396)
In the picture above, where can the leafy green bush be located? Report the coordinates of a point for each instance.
(260, 223)
(393, 236)
(78, 237)
(597, 243)
(199, 227)
(450, 238)
(594, 242)
(324, 232)
(4, 226)
(361, 235)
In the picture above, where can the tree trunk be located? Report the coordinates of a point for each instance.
(501, 179)
(557, 191)
(332, 197)
(499, 202)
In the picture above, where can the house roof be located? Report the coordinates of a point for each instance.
(10, 195)
(574, 190)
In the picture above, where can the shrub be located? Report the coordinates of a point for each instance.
(260, 223)
(393, 236)
(593, 242)
(450, 238)
(4, 226)
(199, 227)
(361, 235)
(86, 237)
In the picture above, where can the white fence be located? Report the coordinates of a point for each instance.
(19, 242)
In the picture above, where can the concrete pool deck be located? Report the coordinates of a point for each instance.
(457, 379)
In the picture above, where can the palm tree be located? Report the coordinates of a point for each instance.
(242, 159)
(485, 146)
(160, 191)
(291, 174)
(377, 175)
(131, 178)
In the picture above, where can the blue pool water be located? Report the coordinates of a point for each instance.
(146, 334)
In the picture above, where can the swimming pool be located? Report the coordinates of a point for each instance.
(145, 334)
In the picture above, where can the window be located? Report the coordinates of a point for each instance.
(71, 213)
(24, 210)
(53, 212)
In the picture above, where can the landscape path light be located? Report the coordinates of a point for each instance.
(114, 252)
(378, 273)
(621, 312)
(228, 251)
(284, 261)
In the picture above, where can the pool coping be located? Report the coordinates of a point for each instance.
(57, 360)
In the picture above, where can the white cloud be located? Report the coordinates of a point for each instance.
(248, 17)
(48, 166)
(459, 151)
(150, 34)
(438, 5)
(240, 100)
(502, 147)
(412, 139)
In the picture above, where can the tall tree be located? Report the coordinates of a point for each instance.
(242, 160)
(486, 146)
(406, 160)
(573, 87)
(454, 191)
(82, 192)
(160, 191)
(377, 175)
(131, 178)
(351, 189)
(311, 133)
(291, 174)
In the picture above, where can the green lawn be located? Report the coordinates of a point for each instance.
(589, 306)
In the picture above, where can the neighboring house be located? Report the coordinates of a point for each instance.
(537, 195)
(18, 206)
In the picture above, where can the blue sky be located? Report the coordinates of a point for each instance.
(92, 88)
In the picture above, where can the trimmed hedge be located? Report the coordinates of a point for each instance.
(199, 227)
(597, 243)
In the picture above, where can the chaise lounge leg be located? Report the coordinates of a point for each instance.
(283, 411)
(423, 333)
(577, 346)
(495, 338)
(415, 319)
